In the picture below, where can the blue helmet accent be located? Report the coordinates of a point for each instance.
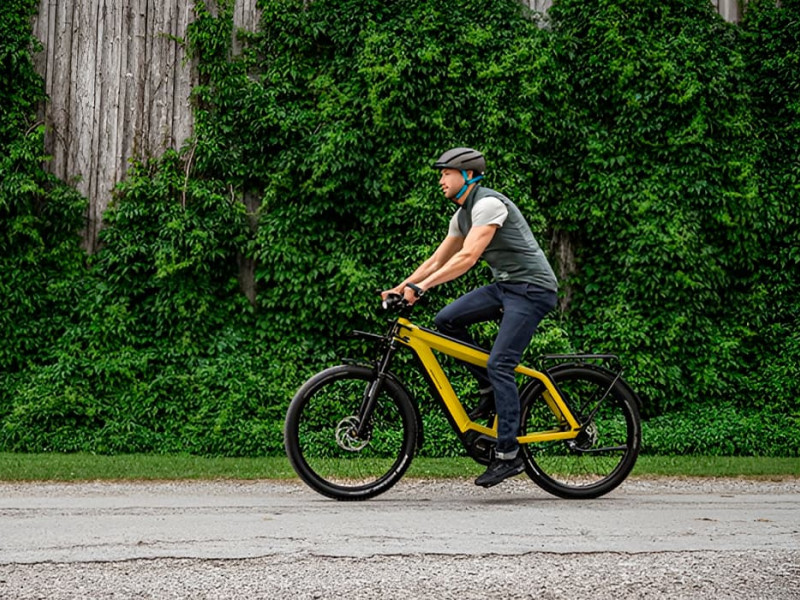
(467, 183)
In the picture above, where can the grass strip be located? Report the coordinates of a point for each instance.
(89, 467)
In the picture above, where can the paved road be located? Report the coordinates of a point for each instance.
(448, 537)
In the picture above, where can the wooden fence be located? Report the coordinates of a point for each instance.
(119, 85)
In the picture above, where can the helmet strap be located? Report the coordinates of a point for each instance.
(467, 183)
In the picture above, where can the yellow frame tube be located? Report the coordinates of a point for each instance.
(424, 342)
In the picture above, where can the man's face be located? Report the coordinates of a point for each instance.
(451, 182)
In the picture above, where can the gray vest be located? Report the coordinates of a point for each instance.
(513, 254)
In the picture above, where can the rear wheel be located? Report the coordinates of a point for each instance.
(605, 451)
(321, 440)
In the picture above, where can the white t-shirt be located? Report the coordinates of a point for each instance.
(487, 211)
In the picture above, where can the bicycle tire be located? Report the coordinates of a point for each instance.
(603, 454)
(321, 447)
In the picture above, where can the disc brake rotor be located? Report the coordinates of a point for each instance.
(347, 435)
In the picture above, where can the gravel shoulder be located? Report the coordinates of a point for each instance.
(601, 576)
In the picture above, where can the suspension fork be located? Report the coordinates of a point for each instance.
(370, 398)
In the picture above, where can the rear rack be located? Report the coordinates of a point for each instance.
(611, 360)
(576, 357)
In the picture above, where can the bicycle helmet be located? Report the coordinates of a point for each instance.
(463, 159)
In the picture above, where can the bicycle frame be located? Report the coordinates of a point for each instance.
(424, 342)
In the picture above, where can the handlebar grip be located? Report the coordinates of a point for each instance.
(393, 301)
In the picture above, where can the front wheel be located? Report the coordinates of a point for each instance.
(605, 451)
(321, 440)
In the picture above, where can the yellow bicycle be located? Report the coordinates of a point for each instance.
(580, 429)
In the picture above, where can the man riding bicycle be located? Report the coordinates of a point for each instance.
(488, 225)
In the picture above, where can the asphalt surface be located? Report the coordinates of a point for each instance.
(424, 539)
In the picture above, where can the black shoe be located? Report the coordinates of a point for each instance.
(500, 470)
(485, 407)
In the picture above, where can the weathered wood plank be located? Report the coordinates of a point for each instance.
(182, 123)
(247, 16)
(105, 136)
(60, 89)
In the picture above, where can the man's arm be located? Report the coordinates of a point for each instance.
(446, 250)
(459, 262)
(454, 257)
(462, 260)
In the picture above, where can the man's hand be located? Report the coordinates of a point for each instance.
(409, 295)
(403, 290)
(397, 291)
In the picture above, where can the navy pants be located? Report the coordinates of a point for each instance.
(520, 306)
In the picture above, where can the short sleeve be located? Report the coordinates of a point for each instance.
(453, 230)
(489, 211)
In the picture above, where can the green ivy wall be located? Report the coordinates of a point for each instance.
(653, 147)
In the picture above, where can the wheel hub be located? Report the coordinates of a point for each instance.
(586, 438)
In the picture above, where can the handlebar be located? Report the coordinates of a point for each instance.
(395, 302)
(398, 304)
